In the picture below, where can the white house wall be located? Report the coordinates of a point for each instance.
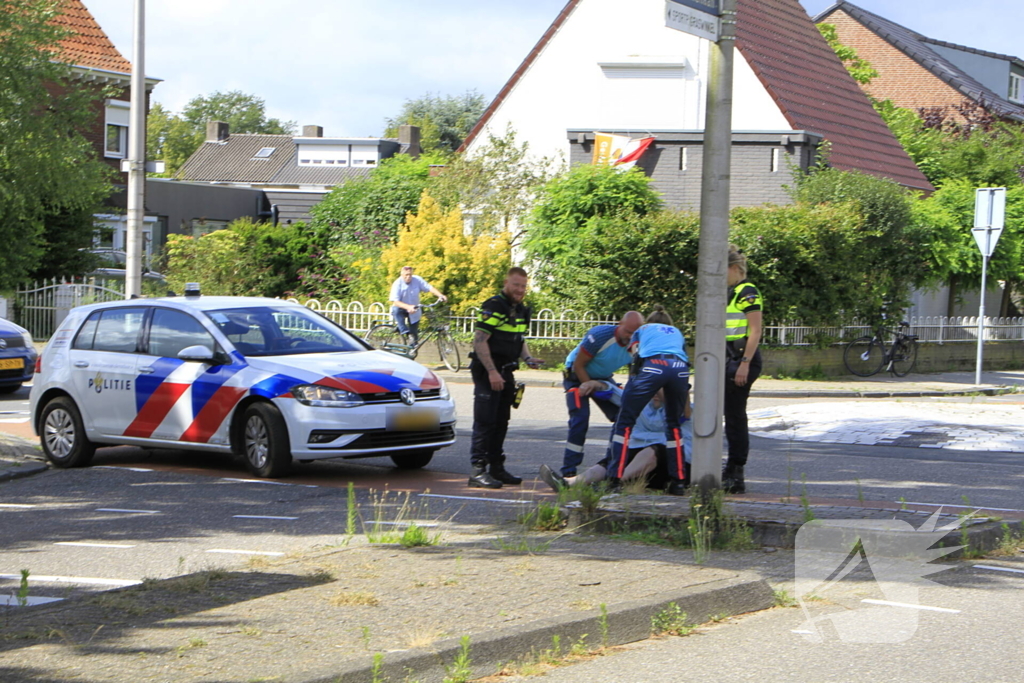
(566, 87)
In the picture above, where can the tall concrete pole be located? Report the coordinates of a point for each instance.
(709, 361)
(136, 158)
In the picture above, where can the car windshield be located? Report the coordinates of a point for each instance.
(281, 330)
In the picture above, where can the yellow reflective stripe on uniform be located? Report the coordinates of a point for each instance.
(735, 319)
(515, 329)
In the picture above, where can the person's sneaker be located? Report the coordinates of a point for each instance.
(505, 477)
(553, 479)
(481, 479)
(677, 487)
(732, 480)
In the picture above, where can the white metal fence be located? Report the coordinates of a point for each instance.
(938, 329)
(40, 307)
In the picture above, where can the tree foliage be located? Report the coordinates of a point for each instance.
(568, 204)
(50, 179)
(467, 268)
(174, 137)
(368, 211)
(444, 120)
(860, 69)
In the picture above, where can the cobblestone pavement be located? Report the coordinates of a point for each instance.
(956, 426)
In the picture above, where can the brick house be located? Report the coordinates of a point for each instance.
(613, 67)
(917, 72)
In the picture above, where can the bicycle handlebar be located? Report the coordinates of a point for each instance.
(431, 305)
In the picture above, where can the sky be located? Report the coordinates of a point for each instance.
(348, 65)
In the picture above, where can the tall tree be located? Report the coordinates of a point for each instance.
(50, 178)
(444, 120)
(174, 137)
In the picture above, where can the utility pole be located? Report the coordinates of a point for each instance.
(709, 361)
(136, 159)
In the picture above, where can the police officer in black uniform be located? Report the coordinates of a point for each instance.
(499, 343)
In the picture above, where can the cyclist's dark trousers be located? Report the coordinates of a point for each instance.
(657, 372)
(491, 412)
(401, 317)
(736, 409)
(579, 421)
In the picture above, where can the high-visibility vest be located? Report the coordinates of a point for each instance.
(735, 319)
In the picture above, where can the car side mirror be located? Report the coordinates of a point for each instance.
(199, 353)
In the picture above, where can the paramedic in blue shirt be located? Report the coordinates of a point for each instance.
(405, 301)
(661, 363)
(603, 350)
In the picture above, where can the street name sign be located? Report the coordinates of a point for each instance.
(696, 17)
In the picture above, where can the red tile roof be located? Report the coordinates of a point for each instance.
(808, 82)
(815, 92)
(88, 45)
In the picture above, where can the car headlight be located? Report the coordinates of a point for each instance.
(326, 397)
(445, 394)
(29, 342)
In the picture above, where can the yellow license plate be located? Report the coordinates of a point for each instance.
(12, 363)
(413, 420)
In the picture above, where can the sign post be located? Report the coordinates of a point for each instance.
(716, 21)
(989, 216)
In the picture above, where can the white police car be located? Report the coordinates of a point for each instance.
(263, 378)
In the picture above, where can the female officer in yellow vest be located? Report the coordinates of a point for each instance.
(743, 319)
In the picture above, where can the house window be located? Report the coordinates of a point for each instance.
(371, 162)
(115, 143)
(1015, 88)
(265, 152)
(775, 160)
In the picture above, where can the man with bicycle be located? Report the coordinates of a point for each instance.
(405, 302)
(499, 343)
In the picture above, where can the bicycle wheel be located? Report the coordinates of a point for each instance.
(449, 351)
(383, 334)
(904, 355)
(864, 356)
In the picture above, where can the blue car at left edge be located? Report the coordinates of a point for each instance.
(17, 356)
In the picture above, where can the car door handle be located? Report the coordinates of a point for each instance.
(81, 363)
(147, 370)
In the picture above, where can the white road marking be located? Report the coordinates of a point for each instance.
(94, 545)
(964, 507)
(20, 506)
(255, 481)
(114, 467)
(998, 569)
(244, 552)
(910, 606)
(137, 512)
(485, 500)
(260, 517)
(407, 523)
(13, 601)
(83, 580)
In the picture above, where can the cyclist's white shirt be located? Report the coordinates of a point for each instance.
(409, 294)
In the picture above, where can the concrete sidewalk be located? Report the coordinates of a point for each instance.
(881, 385)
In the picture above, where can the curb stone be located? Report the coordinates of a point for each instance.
(21, 469)
(626, 623)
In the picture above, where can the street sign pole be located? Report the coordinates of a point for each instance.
(708, 362)
(989, 216)
(136, 159)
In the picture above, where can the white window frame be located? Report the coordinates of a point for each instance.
(118, 116)
(1016, 88)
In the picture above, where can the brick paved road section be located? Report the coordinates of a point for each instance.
(956, 426)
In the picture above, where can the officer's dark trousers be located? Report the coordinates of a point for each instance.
(736, 409)
(657, 372)
(491, 412)
(579, 423)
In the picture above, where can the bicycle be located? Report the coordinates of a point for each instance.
(865, 356)
(386, 336)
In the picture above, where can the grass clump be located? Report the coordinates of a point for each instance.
(354, 598)
(671, 621)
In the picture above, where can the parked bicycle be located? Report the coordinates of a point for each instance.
(435, 326)
(865, 356)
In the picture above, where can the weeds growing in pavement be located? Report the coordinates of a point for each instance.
(190, 645)
(808, 512)
(416, 536)
(1009, 543)
(602, 622)
(545, 517)
(783, 598)
(364, 635)
(903, 502)
(352, 510)
(537, 663)
(521, 544)
(349, 598)
(460, 671)
(377, 669)
(589, 497)
(393, 517)
(22, 595)
(697, 525)
(671, 621)
(860, 493)
(965, 536)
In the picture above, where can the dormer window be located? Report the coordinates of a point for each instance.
(265, 153)
(1016, 88)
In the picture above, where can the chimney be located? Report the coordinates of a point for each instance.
(312, 131)
(217, 131)
(410, 136)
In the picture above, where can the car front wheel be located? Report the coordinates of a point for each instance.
(63, 434)
(265, 441)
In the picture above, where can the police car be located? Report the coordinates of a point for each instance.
(263, 378)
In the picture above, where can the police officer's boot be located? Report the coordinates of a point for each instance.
(481, 479)
(503, 476)
(732, 479)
